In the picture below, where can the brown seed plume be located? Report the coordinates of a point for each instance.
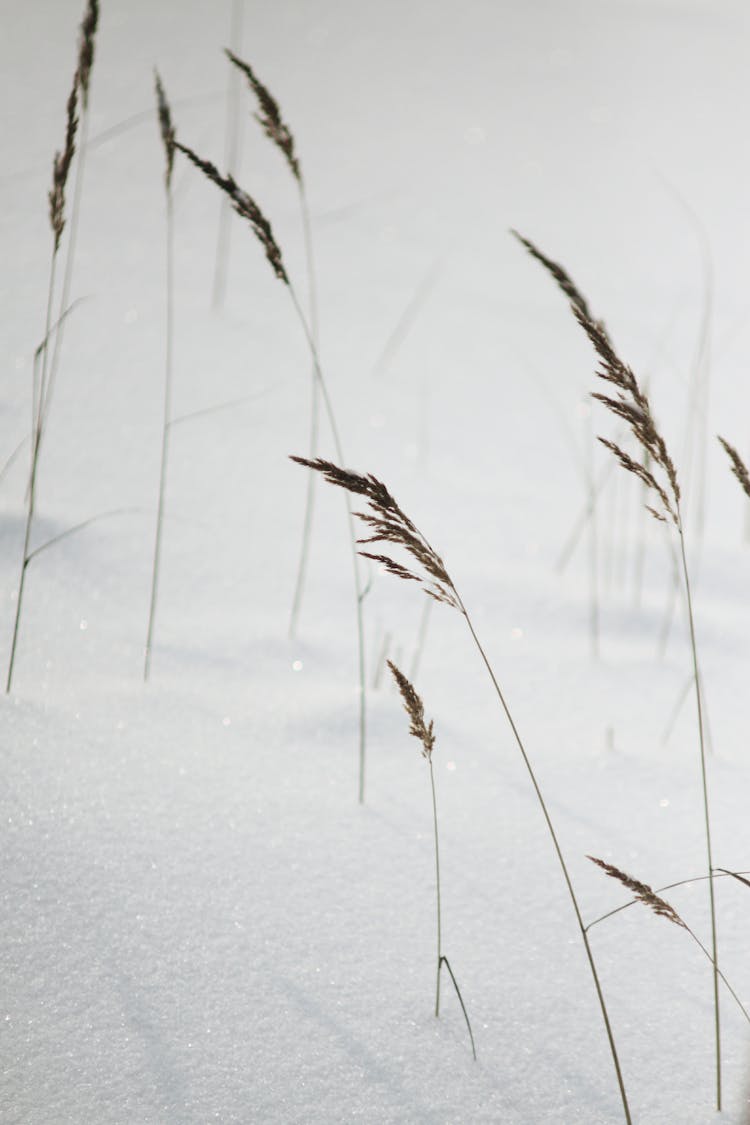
(642, 892)
(86, 48)
(270, 115)
(739, 468)
(246, 208)
(166, 128)
(414, 708)
(632, 405)
(563, 279)
(61, 166)
(390, 525)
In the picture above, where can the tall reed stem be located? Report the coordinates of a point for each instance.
(314, 414)
(437, 878)
(706, 817)
(38, 409)
(563, 865)
(168, 365)
(232, 145)
(358, 588)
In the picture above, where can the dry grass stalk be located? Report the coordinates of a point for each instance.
(739, 468)
(642, 892)
(166, 129)
(86, 49)
(424, 732)
(61, 166)
(246, 208)
(270, 115)
(390, 525)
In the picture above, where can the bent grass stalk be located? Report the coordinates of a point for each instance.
(280, 135)
(630, 403)
(247, 209)
(389, 524)
(651, 899)
(167, 131)
(60, 171)
(424, 733)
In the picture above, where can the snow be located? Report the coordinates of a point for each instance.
(199, 921)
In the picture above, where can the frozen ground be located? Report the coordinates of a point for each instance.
(199, 923)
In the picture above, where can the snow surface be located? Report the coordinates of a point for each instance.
(199, 922)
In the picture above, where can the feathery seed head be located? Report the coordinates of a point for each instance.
(642, 892)
(86, 48)
(166, 128)
(61, 166)
(389, 524)
(246, 208)
(414, 708)
(739, 468)
(270, 115)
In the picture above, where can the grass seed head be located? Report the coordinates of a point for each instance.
(739, 468)
(61, 166)
(246, 208)
(389, 524)
(86, 48)
(166, 128)
(270, 115)
(414, 708)
(642, 892)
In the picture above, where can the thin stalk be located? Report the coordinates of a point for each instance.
(231, 157)
(314, 416)
(437, 877)
(707, 820)
(155, 571)
(38, 393)
(359, 591)
(563, 865)
(421, 638)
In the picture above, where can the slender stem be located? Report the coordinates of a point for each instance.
(38, 403)
(563, 865)
(707, 820)
(231, 155)
(359, 591)
(421, 638)
(437, 876)
(164, 436)
(314, 417)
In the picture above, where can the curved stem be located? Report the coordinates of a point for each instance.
(707, 820)
(155, 570)
(314, 417)
(563, 865)
(437, 876)
(38, 412)
(360, 593)
(232, 146)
